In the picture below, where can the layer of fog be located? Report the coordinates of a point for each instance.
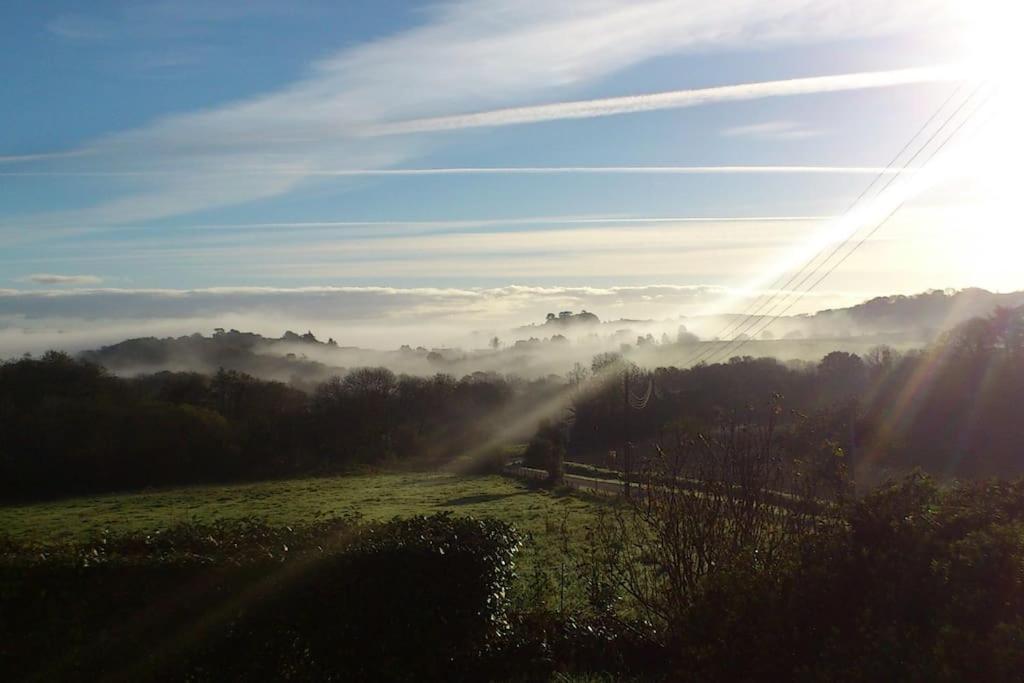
(368, 317)
(459, 332)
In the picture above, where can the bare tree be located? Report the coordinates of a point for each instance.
(708, 504)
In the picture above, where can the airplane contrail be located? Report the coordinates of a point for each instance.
(498, 222)
(486, 170)
(611, 170)
(675, 99)
(41, 156)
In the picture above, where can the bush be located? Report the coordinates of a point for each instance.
(912, 582)
(421, 598)
(923, 582)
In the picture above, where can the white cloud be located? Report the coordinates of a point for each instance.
(676, 99)
(514, 170)
(45, 156)
(78, 27)
(466, 56)
(544, 247)
(772, 130)
(51, 279)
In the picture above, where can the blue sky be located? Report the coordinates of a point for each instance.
(181, 146)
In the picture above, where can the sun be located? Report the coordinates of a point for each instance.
(987, 162)
(990, 34)
(993, 54)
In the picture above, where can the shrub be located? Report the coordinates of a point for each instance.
(419, 598)
(911, 582)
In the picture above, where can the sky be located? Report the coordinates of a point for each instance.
(397, 172)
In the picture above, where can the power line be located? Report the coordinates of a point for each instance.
(832, 268)
(753, 320)
(753, 323)
(733, 328)
(775, 286)
(885, 220)
(866, 237)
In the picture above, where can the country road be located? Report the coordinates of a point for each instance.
(578, 482)
(615, 487)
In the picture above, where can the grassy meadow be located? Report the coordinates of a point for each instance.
(539, 514)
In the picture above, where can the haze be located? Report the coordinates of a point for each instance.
(416, 174)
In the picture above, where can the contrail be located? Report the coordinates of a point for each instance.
(612, 170)
(498, 222)
(675, 99)
(17, 233)
(42, 156)
(399, 226)
(488, 170)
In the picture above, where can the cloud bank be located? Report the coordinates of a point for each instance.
(52, 279)
(372, 317)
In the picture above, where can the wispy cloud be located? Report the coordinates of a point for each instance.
(601, 252)
(465, 56)
(160, 19)
(676, 99)
(379, 228)
(52, 279)
(382, 317)
(503, 222)
(387, 228)
(497, 170)
(42, 156)
(772, 130)
(79, 27)
(609, 170)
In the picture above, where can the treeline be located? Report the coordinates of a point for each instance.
(952, 409)
(69, 427)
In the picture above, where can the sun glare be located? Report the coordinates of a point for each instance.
(988, 164)
(991, 32)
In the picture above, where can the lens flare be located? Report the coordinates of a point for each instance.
(992, 240)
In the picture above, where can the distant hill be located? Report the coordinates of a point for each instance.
(914, 319)
(563, 321)
(255, 354)
(921, 315)
(553, 346)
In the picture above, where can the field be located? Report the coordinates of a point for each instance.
(538, 514)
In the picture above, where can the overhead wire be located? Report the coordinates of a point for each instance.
(778, 284)
(799, 295)
(734, 328)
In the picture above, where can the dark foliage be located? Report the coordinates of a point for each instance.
(415, 599)
(952, 410)
(546, 451)
(68, 427)
(912, 582)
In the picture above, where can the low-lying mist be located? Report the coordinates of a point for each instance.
(525, 332)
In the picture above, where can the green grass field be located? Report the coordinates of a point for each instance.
(370, 496)
(538, 514)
